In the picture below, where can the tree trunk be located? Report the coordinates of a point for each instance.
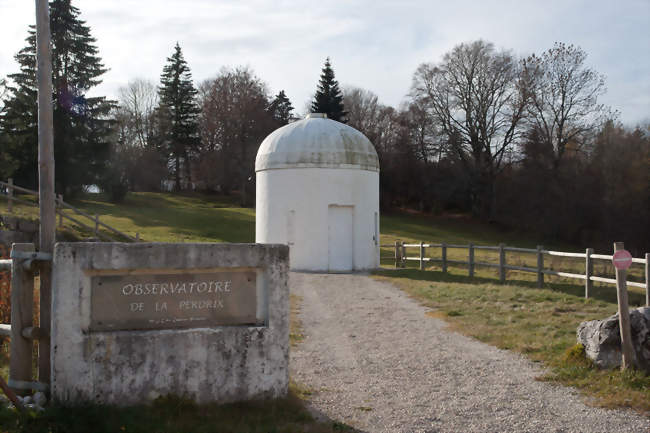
(177, 174)
(188, 169)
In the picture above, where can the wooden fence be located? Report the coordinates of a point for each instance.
(22, 331)
(401, 258)
(93, 225)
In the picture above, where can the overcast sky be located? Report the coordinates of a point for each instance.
(375, 44)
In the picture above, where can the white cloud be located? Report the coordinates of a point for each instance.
(373, 44)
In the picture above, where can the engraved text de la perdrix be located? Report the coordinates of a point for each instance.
(159, 289)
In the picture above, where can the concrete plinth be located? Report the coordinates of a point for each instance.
(245, 359)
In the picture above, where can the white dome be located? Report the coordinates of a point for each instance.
(316, 141)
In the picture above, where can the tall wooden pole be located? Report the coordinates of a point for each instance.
(627, 352)
(45, 177)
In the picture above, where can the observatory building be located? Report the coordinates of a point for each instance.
(318, 191)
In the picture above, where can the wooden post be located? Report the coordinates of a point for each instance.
(443, 248)
(22, 313)
(589, 270)
(470, 260)
(627, 360)
(540, 267)
(397, 252)
(403, 255)
(421, 255)
(137, 236)
(60, 210)
(647, 279)
(96, 226)
(10, 195)
(502, 263)
(46, 195)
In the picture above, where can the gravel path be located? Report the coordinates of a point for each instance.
(378, 363)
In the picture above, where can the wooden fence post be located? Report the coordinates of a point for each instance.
(403, 254)
(96, 226)
(443, 247)
(22, 313)
(397, 254)
(137, 236)
(502, 263)
(470, 260)
(627, 360)
(421, 255)
(647, 279)
(60, 210)
(589, 270)
(540, 266)
(10, 193)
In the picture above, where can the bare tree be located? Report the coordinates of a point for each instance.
(476, 97)
(233, 123)
(362, 107)
(137, 102)
(378, 122)
(564, 99)
(134, 152)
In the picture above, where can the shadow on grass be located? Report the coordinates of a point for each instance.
(181, 215)
(173, 414)
(601, 293)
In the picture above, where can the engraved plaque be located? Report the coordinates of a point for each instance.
(173, 300)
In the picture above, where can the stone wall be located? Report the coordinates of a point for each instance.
(204, 362)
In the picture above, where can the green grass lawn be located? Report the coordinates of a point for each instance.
(540, 323)
(160, 217)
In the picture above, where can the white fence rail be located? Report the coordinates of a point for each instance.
(401, 258)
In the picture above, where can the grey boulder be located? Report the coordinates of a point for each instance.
(602, 339)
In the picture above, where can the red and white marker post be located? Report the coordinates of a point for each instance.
(622, 260)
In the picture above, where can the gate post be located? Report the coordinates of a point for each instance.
(22, 312)
(443, 249)
(470, 260)
(421, 255)
(397, 254)
(589, 270)
(540, 266)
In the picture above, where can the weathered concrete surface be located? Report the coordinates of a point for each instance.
(223, 364)
(602, 339)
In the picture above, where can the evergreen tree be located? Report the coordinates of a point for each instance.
(178, 115)
(281, 108)
(81, 124)
(329, 99)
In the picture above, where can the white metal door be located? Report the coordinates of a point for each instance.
(340, 236)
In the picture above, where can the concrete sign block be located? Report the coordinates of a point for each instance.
(131, 322)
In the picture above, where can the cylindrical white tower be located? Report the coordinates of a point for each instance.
(318, 191)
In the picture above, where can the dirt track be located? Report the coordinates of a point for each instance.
(375, 361)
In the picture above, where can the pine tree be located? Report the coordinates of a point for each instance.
(281, 108)
(178, 115)
(329, 99)
(81, 125)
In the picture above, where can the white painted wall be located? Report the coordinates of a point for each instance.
(310, 192)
